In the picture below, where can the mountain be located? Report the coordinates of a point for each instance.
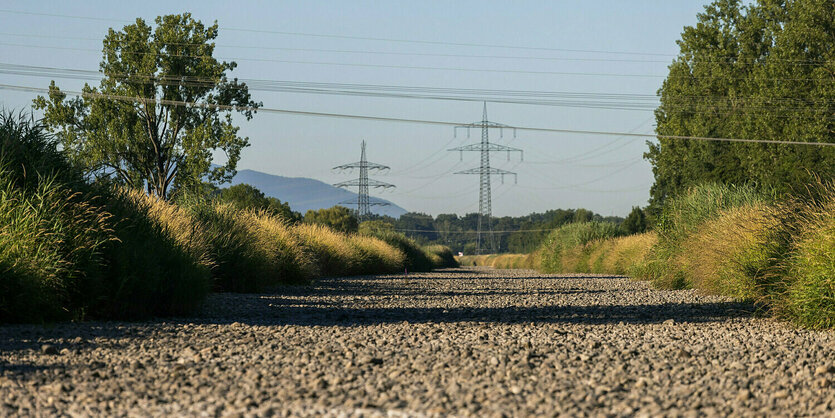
(305, 193)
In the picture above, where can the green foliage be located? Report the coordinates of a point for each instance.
(71, 251)
(139, 141)
(761, 70)
(375, 227)
(682, 217)
(338, 217)
(416, 258)
(240, 264)
(441, 256)
(50, 248)
(29, 154)
(148, 271)
(635, 222)
(243, 196)
(458, 232)
(570, 237)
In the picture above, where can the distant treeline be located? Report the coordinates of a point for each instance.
(459, 232)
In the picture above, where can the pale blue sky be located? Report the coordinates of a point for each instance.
(605, 174)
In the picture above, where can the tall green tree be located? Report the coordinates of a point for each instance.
(163, 107)
(762, 70)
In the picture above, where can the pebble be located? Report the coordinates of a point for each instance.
(462, 342)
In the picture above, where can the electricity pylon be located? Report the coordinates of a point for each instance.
(363, 202)
(485, 204)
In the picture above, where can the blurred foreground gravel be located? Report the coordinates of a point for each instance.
(457, 342)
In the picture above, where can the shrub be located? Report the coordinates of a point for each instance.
(415, 258)
(440, 255)
(335, 254)
(150, 270)
(375, 256)
(561, 251)
(808, 284)
(339, 218)
(681, 218)
(70, 250)
(50, 243)
(288, 261)
(247, 248)
(733, 254)
(502, 261)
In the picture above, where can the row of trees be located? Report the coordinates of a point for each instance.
(456, 232)
(520, 234)
(763, 69)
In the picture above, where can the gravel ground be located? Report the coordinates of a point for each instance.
(458, 342)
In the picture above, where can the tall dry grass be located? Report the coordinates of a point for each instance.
(375, 256)
(565, 250)
(502, 261)
(440, 256)
(733, 254)
(808, 282)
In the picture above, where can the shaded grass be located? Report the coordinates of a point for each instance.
(808, 285)
(415, 258)
(440, 255)
(149, 269)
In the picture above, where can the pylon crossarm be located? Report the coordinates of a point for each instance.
(368, 165)
(372, 203)
(485, 170)
(379, 184)
(349, 183)
(485, 147)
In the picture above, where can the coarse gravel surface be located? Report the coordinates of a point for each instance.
(459, 342)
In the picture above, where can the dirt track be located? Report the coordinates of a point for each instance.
(460, 342)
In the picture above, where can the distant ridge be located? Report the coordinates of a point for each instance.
(304, 193)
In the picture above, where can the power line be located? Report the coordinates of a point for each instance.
(401, 120)
(729, 59)
(361, 38)
(592, 100)
(473, 232)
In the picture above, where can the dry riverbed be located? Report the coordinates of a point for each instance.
(458, 342)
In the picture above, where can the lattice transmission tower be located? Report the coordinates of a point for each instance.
(485, 204)
(363, 201)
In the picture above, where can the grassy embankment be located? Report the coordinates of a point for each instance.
(74, 250)
(724, 240)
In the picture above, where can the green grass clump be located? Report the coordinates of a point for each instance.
(148, 270)
(734, 254)
(682, 217)
(250, 250)
(440, 255)
(415, 258)
(564, 249)
(333, 250)
(375, 256)
(50, 249)
(502, 261)
(808, 283)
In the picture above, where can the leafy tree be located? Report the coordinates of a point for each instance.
(338, 217)
(635, 222)
(763, 70)
(163, 106)
(245, 196)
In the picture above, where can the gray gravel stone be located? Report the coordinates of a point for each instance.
(463, 342)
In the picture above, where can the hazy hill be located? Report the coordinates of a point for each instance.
(305, 193)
